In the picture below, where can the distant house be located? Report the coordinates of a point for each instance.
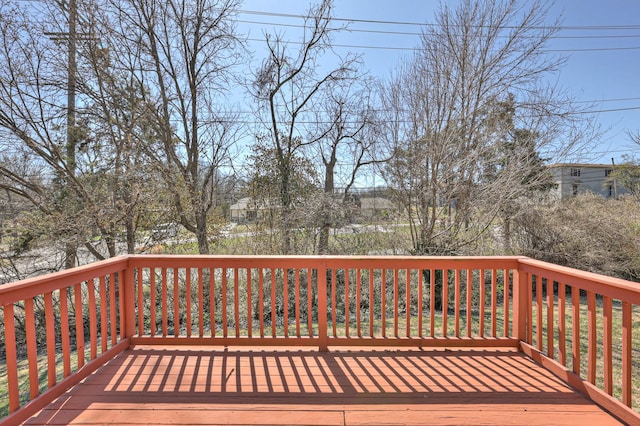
(571, 179)
(376, 208)
(247, 210)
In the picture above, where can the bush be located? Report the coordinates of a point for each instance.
(587, 232)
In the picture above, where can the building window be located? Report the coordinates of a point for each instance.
(607, 172)
(574, 189)
(575, 172)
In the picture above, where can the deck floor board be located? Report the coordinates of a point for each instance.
(298, 386)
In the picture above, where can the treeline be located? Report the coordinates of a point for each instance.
(117, 115)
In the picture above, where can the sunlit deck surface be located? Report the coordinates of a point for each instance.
(345, 386)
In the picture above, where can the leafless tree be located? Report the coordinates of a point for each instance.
(477, 78)
(344, 138)
(58, 180)
(286, 87)
(182, 53)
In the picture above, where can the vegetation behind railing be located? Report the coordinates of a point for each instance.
(323, 301)
(59, 328)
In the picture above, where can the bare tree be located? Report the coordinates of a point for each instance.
(35, 121)
(182, 52)
(286, 86)
(476, 78)
(346, 141)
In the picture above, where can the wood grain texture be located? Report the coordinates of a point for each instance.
(364, 386)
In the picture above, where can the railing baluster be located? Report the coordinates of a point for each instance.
(494, 303)
(591, 329)
(249, 303)
(11, 358)
(432, 303)
(51, 339)
(103, 313)
(285, 301)
(469, 300)
(383, 302)
(261, 299)
(334, 306)
(608, 344)
(152, 301)
(575, 329)
(310, 300)
(212, 301)
(165, 302)
(126, 311)
(539, 325)
(550, 324)
(358, 301)
(346, 302)
(372, 299)
(32, 348)
(297, 290)
(562, 323)
(77, 294)
(236, 301)
(482, 302)
(505, 299)
(322, 308)
(396, 301)
(200, 302)
(627, 348)
(445, 301)
(141, 303)
(529, 293)
(176, 302)
(408, 302)
(187, 296)
(420, 303)
(457, 296)
(225, 330)
(273, 303)
(93, 326)
(64, 332)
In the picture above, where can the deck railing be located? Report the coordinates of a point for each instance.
(59, 328)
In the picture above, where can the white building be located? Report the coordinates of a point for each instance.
(571, 179)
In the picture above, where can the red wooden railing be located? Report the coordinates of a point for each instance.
(76, 320)
(570, 330)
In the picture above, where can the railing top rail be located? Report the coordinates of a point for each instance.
(31, 287)
(414, 262)
(628, 291)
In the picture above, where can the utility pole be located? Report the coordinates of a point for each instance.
(615, 185)
(71, 247)
(71, 38)
(71, 90)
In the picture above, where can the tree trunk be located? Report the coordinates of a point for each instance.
(201, 233)
(325, 227)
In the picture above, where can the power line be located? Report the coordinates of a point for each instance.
(415, 49)
(421, 24)
(417, 33)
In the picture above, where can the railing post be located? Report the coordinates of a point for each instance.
(520, 304)
(322, 307)
(129, 314)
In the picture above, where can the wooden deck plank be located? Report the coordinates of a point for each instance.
(147, 385)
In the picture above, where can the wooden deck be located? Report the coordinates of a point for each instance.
(345, 386)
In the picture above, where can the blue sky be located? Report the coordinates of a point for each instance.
(603, 64)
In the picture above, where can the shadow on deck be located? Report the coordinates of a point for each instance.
(198, 385)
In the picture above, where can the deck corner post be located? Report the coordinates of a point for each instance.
(519, 304)
(323, 345)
